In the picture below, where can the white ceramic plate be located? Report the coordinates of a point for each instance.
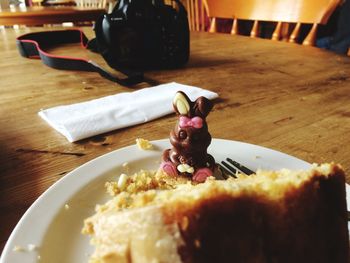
(55, 230)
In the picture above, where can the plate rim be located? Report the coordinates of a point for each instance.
(70, 177)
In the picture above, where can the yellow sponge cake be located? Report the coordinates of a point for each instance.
(272, 216)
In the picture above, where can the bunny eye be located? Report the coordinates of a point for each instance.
(182, 134)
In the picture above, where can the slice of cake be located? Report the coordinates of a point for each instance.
(273, 216)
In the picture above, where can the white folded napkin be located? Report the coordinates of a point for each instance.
(86, 119)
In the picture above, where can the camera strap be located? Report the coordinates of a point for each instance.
(32, 45)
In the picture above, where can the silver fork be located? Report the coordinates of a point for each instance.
(230, 168)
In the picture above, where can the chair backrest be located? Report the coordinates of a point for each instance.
(196, 14)
(289, 15)
(91, 3)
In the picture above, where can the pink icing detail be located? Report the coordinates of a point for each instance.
(202, 174)
(169, 168)
(195, 122)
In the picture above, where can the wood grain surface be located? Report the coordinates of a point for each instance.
(291, 98)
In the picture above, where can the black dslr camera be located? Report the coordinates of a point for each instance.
(144, 34)
(137, 35)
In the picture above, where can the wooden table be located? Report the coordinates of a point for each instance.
(291, 98)
(39, 15)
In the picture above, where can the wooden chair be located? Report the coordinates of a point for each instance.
(288, 15)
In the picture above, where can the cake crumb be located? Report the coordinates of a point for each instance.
(122, 181)
(143, 144)
(18, 249)
(126, 167)
(32, 247)
(160, 243)
(66, 206)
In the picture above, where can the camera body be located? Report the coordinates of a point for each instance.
(144, 34)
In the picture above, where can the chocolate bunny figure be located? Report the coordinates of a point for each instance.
(190, 139)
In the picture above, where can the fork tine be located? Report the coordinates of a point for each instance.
(224, 172)
(240, 167)
(229, 169)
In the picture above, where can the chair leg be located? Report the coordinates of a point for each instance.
(310, 39)
(187, 5)
(234, 30)
(295, 34)
(212, 28)
(192, 14)
(196, 7)
(255, 30)
(201, 16)
(277, 32)
(285, 32)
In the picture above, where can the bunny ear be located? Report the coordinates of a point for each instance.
(181, 103)
(202, 107)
